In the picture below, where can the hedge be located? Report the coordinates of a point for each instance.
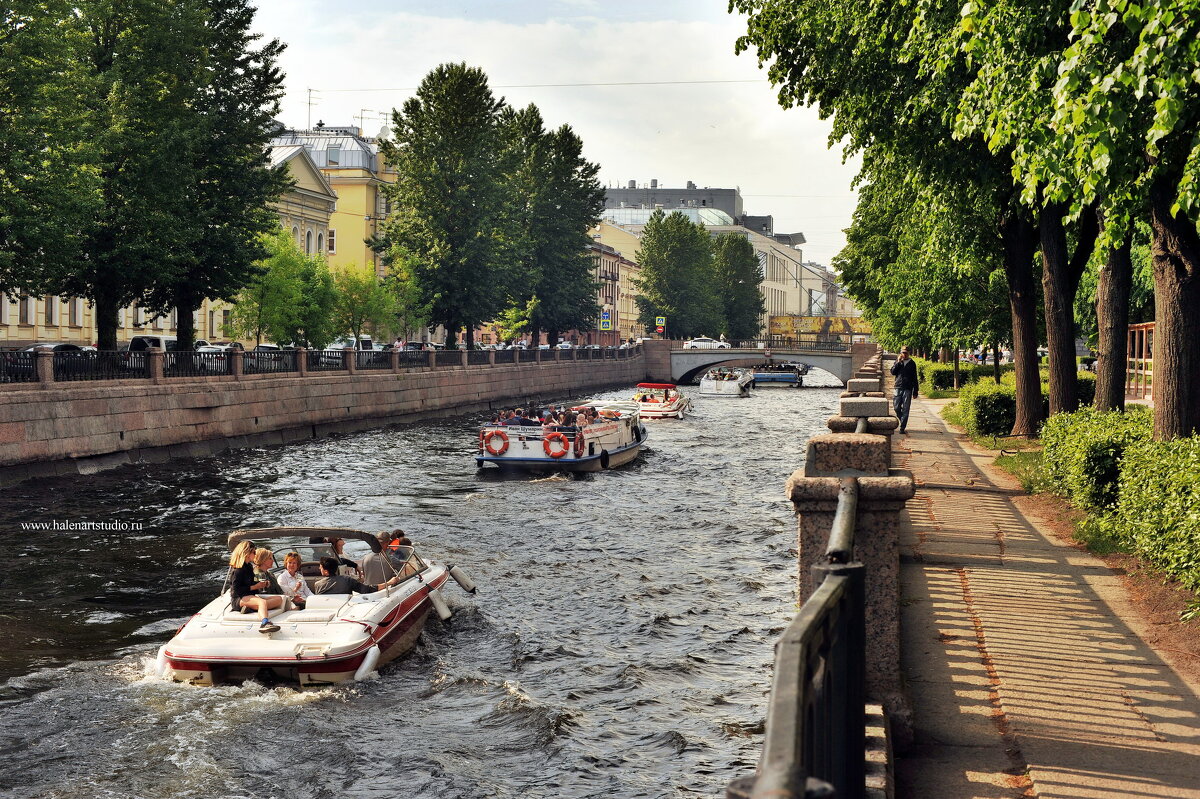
(1083, 452)
(1158, 508)
(988, 408)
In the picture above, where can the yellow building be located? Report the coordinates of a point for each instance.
(306, 209)
(356, 172)
(627, 246)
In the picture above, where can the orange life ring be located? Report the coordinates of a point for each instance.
(553, 452)
(579, 444)
(487, 442)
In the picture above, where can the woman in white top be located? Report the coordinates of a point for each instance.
(292, 582)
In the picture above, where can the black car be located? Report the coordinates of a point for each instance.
(20, 366)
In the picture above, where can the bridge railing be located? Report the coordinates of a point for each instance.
(816, 723)
(817, 342)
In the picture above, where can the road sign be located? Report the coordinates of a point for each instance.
(606, 324)
(606, 314)
(659, 329)
(660, 321)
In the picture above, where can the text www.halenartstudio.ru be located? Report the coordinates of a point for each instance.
(58, 524)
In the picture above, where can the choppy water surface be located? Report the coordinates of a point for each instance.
(620, 645)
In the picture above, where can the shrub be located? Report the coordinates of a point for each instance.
(936, 377)
(988, 409)
(1084, 449)
(1158, 512)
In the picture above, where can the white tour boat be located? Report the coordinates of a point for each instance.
(613, 438)
(334, 638)
(724, 381)
(661, 401)
(790, 373)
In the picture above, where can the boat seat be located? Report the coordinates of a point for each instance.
(233, 615)
(307, 615)
(329, 602)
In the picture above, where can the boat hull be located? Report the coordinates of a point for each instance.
(726, 388)
(608, 442)
(233, 659)
(606, 459)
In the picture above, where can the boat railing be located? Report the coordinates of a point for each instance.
(816, 729)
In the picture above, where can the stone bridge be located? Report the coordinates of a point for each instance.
(667, 360)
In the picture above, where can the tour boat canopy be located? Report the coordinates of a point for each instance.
(656, 385)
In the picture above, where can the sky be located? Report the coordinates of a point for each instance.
(673, 102)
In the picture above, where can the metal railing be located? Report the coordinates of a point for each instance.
(269, 361)
(506, 356)
(479, 357)
(76, 366)
(194, 364)
(373, 359)
(326, 360)
(529, 356)
(815, 738)
(411, 359)
(18, 367)
(448, 358)
(817, 342)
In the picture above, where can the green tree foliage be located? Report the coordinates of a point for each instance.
(49, 179)
(739, 286)
(408, 313)
(362, 302)
(266, 306)
(678, 279)
(229, 124)
(448, 197)
(516, 321)
(554, 199)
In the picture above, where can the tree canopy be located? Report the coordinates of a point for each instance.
(678, 278)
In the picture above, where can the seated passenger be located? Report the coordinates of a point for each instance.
(384, 564)
(333, 583)
(338, 545)
(264, 559)
(244, 592)
(291, 582)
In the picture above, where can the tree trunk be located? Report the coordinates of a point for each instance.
(957, 375)
(1176, 252)
(106, 323)
(1112, 316)
(185, 324)
(1020, 242)
(996, 363)
(1060, 282)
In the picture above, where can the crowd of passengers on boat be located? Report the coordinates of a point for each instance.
(560, 418)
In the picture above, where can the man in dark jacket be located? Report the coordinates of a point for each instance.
(905, 372)
(333, 583)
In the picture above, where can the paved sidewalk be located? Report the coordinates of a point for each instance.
(1025, 666)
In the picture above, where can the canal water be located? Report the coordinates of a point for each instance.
(620, 644)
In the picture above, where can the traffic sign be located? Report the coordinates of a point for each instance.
(660, 321)
(606, 324)
(659, 329)
(606, 314)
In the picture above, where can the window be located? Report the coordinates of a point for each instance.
(212, 324)
(121, 318)
(333, 155)
(296, 234)
(75, 312)
(25, 312)
(139, 317)
(175, 319)
(226, 321)
(51, 311)
(308, 243)
(4, 309)
(332, 241)
(320, 243)
(157, 322)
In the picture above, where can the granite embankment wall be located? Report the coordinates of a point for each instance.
(69, 428)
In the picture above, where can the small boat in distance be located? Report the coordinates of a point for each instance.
(724, 381)
(790, 373)
(661, 401)
(333, 638)
(612, 436)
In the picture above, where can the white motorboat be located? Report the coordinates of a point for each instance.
(724, 381)
(334, 638)
(613, 438)
(661, 401)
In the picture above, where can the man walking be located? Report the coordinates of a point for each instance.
(905, 372)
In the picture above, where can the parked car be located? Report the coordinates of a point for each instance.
(705, 343)
(424, 345)
(263, 358)
(565, 345)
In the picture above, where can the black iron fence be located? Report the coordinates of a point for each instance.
(18, 367)
(196, 364)
(21, 367)
(325, 360)
(817, 342)
(816, 726)
(374, 359)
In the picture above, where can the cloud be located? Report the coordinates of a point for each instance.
(716, 134)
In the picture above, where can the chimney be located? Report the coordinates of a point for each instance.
(654, 183)
(632, 184)
(691, 185)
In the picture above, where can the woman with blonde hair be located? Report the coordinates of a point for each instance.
(245, 591)
(291, 582)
